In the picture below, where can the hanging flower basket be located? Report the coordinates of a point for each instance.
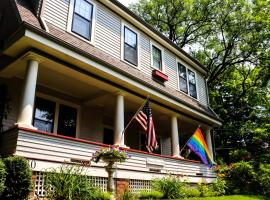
(110, 154)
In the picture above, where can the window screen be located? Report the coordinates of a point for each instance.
(157, 58)
(182, 78)
(130, 46)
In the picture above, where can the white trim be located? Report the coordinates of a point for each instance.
(57, 102)
(123, 25)
(178, 82)
(153, 43)
(70, 19)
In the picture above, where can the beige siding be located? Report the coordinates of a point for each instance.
(170, 68)
(203, 99)
(145, 54)
(56, 12)
(108, 31)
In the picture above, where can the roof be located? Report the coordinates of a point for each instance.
(76, 44)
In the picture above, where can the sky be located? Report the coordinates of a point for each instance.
(127, 2)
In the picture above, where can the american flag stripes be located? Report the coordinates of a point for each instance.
(145, 118)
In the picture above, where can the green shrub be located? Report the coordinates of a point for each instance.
(2, 177)
(188, 191)
(69, 183)
(150, 195)
(127, 195)
(263, 179)
(219, 187)
(169, 186)
(104, 196)
(18, 179)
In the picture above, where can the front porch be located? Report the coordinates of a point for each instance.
(65, 114)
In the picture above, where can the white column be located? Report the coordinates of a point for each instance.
(119, 122)
(209, 141)
(175, 137)
(25, 114)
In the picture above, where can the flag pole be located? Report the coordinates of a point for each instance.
(134, 116)
(188, 141)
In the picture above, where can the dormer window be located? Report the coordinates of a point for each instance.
(187, 81)
(82, 19)
(130, 46)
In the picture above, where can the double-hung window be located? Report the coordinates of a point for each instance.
(187, 81)
(130, 46)
(82, 18)
(156, 58)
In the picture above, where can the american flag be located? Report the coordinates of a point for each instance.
(145, 118)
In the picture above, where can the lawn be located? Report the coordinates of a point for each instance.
(233, 197)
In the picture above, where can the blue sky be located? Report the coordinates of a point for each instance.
(127, 2)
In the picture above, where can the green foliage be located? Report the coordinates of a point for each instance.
(263, 179)
(233, 197)
(69, 183)
(205, 190)
(150, 195)
(239, 154)
(169, 187)
(219, 187)
(2, 177)
(18, 178)
(127, 195)
(104, 196)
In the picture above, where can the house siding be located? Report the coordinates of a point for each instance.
(56, 12)
(145, 54)
(171, 71)
(108, 32)
(202, 90)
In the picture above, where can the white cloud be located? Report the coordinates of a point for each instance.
(127, 2)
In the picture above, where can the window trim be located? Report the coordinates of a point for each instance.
(57, 102)
(123, 25)
(152, 43)
(70, 22)
(178, 79)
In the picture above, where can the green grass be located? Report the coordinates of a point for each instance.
(233, 197)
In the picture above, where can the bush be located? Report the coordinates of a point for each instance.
(189, 191)
(18, 179)
(150, 195)
(219, 187)
(169, 186)
(127, 195)
(2, 177)
(69, 183)
(104, 196)
(263, 179)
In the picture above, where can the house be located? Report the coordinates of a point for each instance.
(78, 70)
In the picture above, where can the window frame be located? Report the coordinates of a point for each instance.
(70, 22)
(131, 28)
(57, 102)
(152, 43)
(178, 79)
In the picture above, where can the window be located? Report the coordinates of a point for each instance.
(108, 136)
(156, 57)
(192, 84)
(82, 18)
(182, 78)
(67, 121)
(143, 146)
(187, 81)
(130, 46)
(46, 113)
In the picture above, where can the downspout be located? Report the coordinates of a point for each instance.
(40, 15)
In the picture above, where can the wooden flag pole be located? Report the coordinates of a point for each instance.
(188, 141)
(134, 116)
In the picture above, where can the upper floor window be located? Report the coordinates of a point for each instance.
(187, 81)
(82, 19)
(156, 57)
(130, 46)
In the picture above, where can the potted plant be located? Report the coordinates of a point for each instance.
(110, 155)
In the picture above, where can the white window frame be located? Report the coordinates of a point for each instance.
(178, 79)
(57, 102)
(70, 20)
(157, 136)
(123, 25)
(153, 43)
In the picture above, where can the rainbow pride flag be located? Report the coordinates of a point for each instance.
(197, 144)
